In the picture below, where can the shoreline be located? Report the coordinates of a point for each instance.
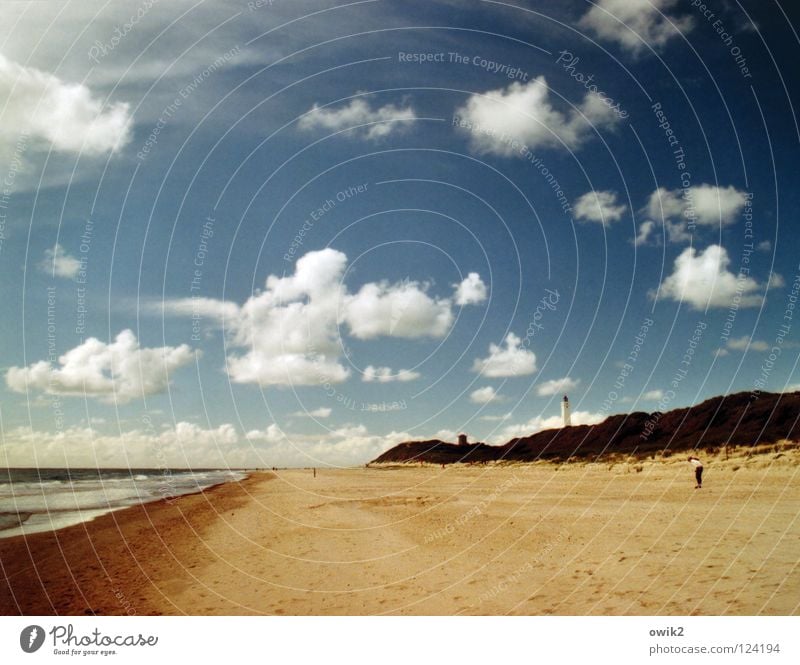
(46, 573)
(627, 538)
(88, 482)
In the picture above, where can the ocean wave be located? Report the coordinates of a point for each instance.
(57, 504)
(13, 520)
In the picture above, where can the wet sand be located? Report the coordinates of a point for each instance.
(576, 539)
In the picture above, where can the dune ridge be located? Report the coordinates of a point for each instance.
(740, 420)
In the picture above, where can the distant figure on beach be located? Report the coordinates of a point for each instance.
(315, 472)
(698, 471)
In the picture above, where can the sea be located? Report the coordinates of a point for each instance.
(33, 500)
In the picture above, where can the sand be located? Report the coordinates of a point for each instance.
(576, 539)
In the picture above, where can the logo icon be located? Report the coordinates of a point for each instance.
(31, 638)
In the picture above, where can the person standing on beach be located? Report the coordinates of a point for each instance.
(698, 471)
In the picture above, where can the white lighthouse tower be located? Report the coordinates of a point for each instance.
(565, 412)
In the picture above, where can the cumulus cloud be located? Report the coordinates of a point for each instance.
(217, 447)
(646, 229)
(776, 280)
(446, 435)
(398, 310)
(508, 120)
(485, 395)
(57, 262)
(703, 205)
(471, 291)
(600, 206)
(555, 386)
(635, 24)
(370, 123)
(717, 205)
(702, 279)
(290, 329)
(271, 433)
(289, 333)
(511, 360)
(541, 423)
(496, 419)
(211, 308)
(57, 114)
(745, 342)
(666, 204)
(117, 372)
(214, 447)
(388, 375)
(322, 412)
(343, 446)
(653, 395)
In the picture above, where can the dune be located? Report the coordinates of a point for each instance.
(624, 536)
(740, 419)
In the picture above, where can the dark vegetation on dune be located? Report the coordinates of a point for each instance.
(742, 419)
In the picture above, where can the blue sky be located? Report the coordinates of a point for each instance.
(296, 233)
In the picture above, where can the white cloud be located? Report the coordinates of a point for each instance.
(703, 205)
(508, 120)
(217, 447)
(86, 447)
(776, 280)
(471, 291)
(397, 310)
(388, 375)
(676, 232)
(541, 423)
(653, 395)
(704, 280)
(117, 372)
(485, 395)
(272, 434)
(635, 24)
(322, 412)
(211, 308)
(344, 446)
(665, 204)
(555, 386)
(289, 333)
(512, 360)
(764, 246)
(290, 329)
(646, 229)
(742, 344)
(446, 435)
(717, 205)
(496, 419)
(359, 115)
(57, 114)
(263, 367)
(599, 206)
(57, 262)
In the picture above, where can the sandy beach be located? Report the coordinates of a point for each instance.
(612, 538)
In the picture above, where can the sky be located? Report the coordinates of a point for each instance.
(275, 233)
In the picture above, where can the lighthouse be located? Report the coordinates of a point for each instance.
(565, 412)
